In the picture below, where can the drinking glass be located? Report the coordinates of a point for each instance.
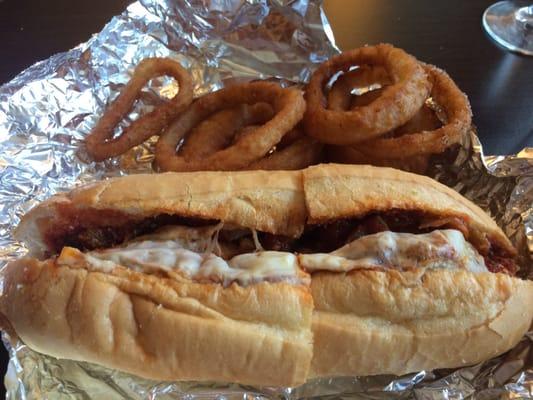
(510, 23)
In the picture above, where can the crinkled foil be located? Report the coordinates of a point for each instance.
(46, 111)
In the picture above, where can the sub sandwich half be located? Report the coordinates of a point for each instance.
(266, 278)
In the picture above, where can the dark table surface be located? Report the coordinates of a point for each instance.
(446, 33)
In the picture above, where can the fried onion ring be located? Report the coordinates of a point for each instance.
(424, 120)
(219, 131)
(100, 142)
(340, 96)
(294, 151)
(288, 105)
(297, 152)
(225, 127)
(456, 107)
(397, 104)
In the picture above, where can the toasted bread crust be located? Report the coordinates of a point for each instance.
(336, 191)
(160, 328)
(269, 201)
(395, 323)
(278, 202)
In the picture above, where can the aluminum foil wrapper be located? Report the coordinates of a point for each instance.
(46, 111)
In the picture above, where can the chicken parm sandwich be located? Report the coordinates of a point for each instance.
(266, 278)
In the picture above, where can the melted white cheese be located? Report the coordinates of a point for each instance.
(438, 249)
(168, 255)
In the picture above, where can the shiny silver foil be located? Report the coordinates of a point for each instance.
(47, 110)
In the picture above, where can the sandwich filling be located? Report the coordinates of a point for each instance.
(446, 248)
(169, 257)
(93, 230)
(197, 254)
